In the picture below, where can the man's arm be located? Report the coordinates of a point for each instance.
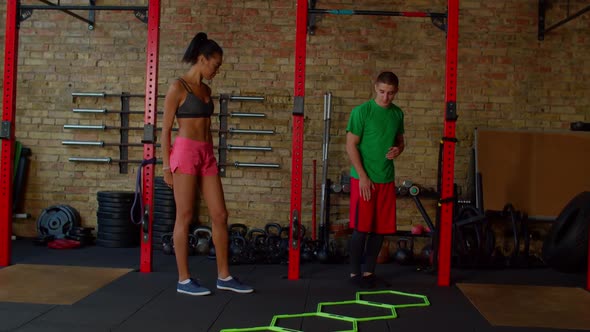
(365, 184)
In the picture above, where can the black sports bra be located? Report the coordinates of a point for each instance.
(193, 106)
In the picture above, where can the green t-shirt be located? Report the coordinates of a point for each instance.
(377, 128)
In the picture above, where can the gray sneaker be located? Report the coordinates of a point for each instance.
(192, 288)
(234, 285)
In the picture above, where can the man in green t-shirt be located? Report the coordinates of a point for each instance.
(374, 139)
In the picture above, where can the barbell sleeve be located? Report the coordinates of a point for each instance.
(250, 131)
(249, 148)
(264, 165)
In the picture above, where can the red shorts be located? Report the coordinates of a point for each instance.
(376, 215)
(193, 157)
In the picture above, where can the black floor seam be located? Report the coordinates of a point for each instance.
(152, 298)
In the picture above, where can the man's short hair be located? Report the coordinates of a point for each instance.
(388, 77)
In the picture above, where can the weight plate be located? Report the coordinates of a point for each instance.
(165, 210)
(107, 215)
(112, 205)
(54, 221)
(162, 228)
(116, 194)
(117, 236)
(119, 229)
(113, 222)
(164, 203)
(164, 197)
(117, 244)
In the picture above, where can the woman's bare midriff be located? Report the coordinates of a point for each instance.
(198, 129)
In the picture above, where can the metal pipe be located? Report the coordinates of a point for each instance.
(106, 160)
(94, 127)
(567, 19)
(246, 98)
(250, 131)
(78, 7)
(104, 94)
(101, 143)
(247, 115)
(264, 165)
(102, 127)
(85, 143)
(375, 13)
(68, 12)
(325, 145)
(87, 110)
(250, 148)
(93, 160)
(88, 94)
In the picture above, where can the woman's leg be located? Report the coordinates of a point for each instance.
(212, 191)
(185, 189)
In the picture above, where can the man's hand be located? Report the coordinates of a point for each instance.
(393, 152)
(366, 186)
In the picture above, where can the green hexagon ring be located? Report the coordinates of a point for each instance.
(387, 310)
(320, 315)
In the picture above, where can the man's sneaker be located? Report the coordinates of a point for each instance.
(369, 281)
(234, 285)
(372, 281)
(192, 288)
(356, 281)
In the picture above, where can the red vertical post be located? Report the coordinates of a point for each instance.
(297, 141)
(449, 140)
(7, 130)
(149, 139)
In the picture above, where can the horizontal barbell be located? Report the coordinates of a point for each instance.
(230, 130)
(108, 160)
(104, 111)
(105, 94)
(103, 144)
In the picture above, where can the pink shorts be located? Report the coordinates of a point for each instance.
(376, 215)
(188, 156)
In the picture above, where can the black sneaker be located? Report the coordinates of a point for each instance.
(372, 281)
(356, 281)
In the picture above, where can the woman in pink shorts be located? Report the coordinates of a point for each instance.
(190, 164)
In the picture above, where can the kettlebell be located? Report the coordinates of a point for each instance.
(383, 256)
(203, 237)
(256, 244)
(167, 244)
(427, 255)
(238, 228)
(237, 248)
(308, 249)
(211, 254)
(405, 251)
(192, 244)
(273, 242)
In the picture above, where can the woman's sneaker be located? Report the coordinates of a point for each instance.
(234, 285)
(192, 288)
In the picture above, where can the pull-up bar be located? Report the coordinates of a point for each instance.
(437, 18)
(375, 13)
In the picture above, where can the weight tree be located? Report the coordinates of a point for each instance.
(15, 13)
(446, 201)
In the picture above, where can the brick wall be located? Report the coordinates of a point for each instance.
(506, 78)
